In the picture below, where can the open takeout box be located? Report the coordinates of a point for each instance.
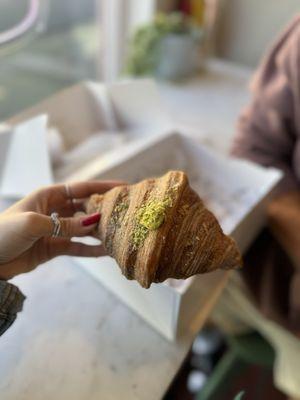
(132, 109)
(235, 190)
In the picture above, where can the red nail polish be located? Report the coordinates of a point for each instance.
(91, 219)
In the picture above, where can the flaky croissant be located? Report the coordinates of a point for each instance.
(160, 228)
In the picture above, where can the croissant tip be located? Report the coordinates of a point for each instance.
(181, 175)
(233, 259)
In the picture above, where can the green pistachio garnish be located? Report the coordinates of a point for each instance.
(148, 218)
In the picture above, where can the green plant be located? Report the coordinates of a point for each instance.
(143, 52)
(239, 396)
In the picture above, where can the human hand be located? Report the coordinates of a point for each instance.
(26, 228)
(284, 222)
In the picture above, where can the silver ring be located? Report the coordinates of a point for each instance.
(70, 197)
(68, 191)
(56, 224)
(73, 202)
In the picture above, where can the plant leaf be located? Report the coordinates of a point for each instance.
(239, 396)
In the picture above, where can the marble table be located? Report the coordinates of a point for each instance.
(75, 340)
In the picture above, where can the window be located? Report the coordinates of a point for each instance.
(63, 50)
(74, 40)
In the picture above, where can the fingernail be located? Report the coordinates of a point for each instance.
(91, 219)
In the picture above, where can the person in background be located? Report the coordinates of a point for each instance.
(39, 228)
(268, 133)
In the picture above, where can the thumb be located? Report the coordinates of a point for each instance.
(42, 225)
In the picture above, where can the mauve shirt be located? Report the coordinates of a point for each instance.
(268, 133)
(268, 130)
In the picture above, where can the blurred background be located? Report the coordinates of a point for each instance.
(63, 50)
(74, 41)
(104, 40)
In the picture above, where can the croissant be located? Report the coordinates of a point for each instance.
(159, 228)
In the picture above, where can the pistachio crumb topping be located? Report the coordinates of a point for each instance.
(121, 207)
(149, 217)
(118, 211)
(152, 215)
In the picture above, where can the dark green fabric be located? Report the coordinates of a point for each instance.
(11, 302)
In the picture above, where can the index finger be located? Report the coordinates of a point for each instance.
(80, 190)
(58, 197)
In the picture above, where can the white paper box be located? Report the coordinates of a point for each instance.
(133, 108)
(235, 190)
(24, 159)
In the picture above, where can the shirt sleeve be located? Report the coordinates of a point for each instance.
(269, 127)
(11, 302)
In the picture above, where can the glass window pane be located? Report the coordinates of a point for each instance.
(65, 51)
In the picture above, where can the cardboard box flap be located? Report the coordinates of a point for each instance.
(133, 106)
(75, 112)
(25, 164)
(138, 105)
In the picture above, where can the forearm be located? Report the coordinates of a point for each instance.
(11, 302)
(284, 222)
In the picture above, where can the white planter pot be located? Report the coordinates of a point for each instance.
(179, 57)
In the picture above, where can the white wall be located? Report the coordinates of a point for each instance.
(247, 27)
